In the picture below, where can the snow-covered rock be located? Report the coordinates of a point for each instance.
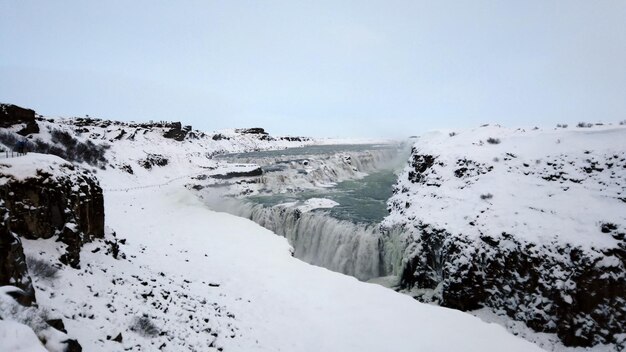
(18, 337)
(529, 223)
(27, 328)
(44, 196)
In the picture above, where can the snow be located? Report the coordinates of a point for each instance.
(22, 328)
(16, 337)
(317, 203)
(310, 204)
(23, 167)
(566, 209)
(549, 342)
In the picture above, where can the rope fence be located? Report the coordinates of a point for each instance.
(11, 154)
(151, 186)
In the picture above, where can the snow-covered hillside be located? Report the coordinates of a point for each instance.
(169, 274)
(529, 223)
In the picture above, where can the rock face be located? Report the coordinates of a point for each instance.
(12, 114)
(13, 270)
(254, 130)
(177, 132)
(533, 227)
(248, 173)
(46, 196)
(568, 290)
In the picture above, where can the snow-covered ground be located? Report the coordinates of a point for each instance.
(197, 273)
(560, 183)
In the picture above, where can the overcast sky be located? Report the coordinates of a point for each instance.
(319, 68)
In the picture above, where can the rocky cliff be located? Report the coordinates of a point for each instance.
(11, 115)
(13, 270)
(530, 224)
(45, 196)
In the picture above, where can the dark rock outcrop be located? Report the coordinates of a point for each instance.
(420, 163)
(153, 160)
(249, 173)
(557, 288)
(72, 346)
(12, 115)
(254, 130)
(58, 199)
(57, 324)
(177, 132)
(219, 137)
(13, 269)
(295, 139)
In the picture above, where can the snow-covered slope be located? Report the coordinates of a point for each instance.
(212, 281)
(529, 223)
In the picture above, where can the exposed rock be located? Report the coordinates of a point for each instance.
(295, 139)
(153, 160)
(558, 288)
(420, 163)
(249, 173)
(219, 137)
(118, 338)
(177, 132)
(127, 168)
(57, 324)
(55, 198)
(13, 269)
(12, 114)
(120, 136)
(254, 130)
(73, 346)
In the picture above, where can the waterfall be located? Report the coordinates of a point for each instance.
(362, 251)
(295, 173)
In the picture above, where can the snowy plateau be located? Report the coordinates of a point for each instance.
(119, 236)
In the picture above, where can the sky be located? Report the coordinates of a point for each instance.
(318, 68)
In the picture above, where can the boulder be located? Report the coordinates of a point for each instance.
(176, 132)
(12, 115)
